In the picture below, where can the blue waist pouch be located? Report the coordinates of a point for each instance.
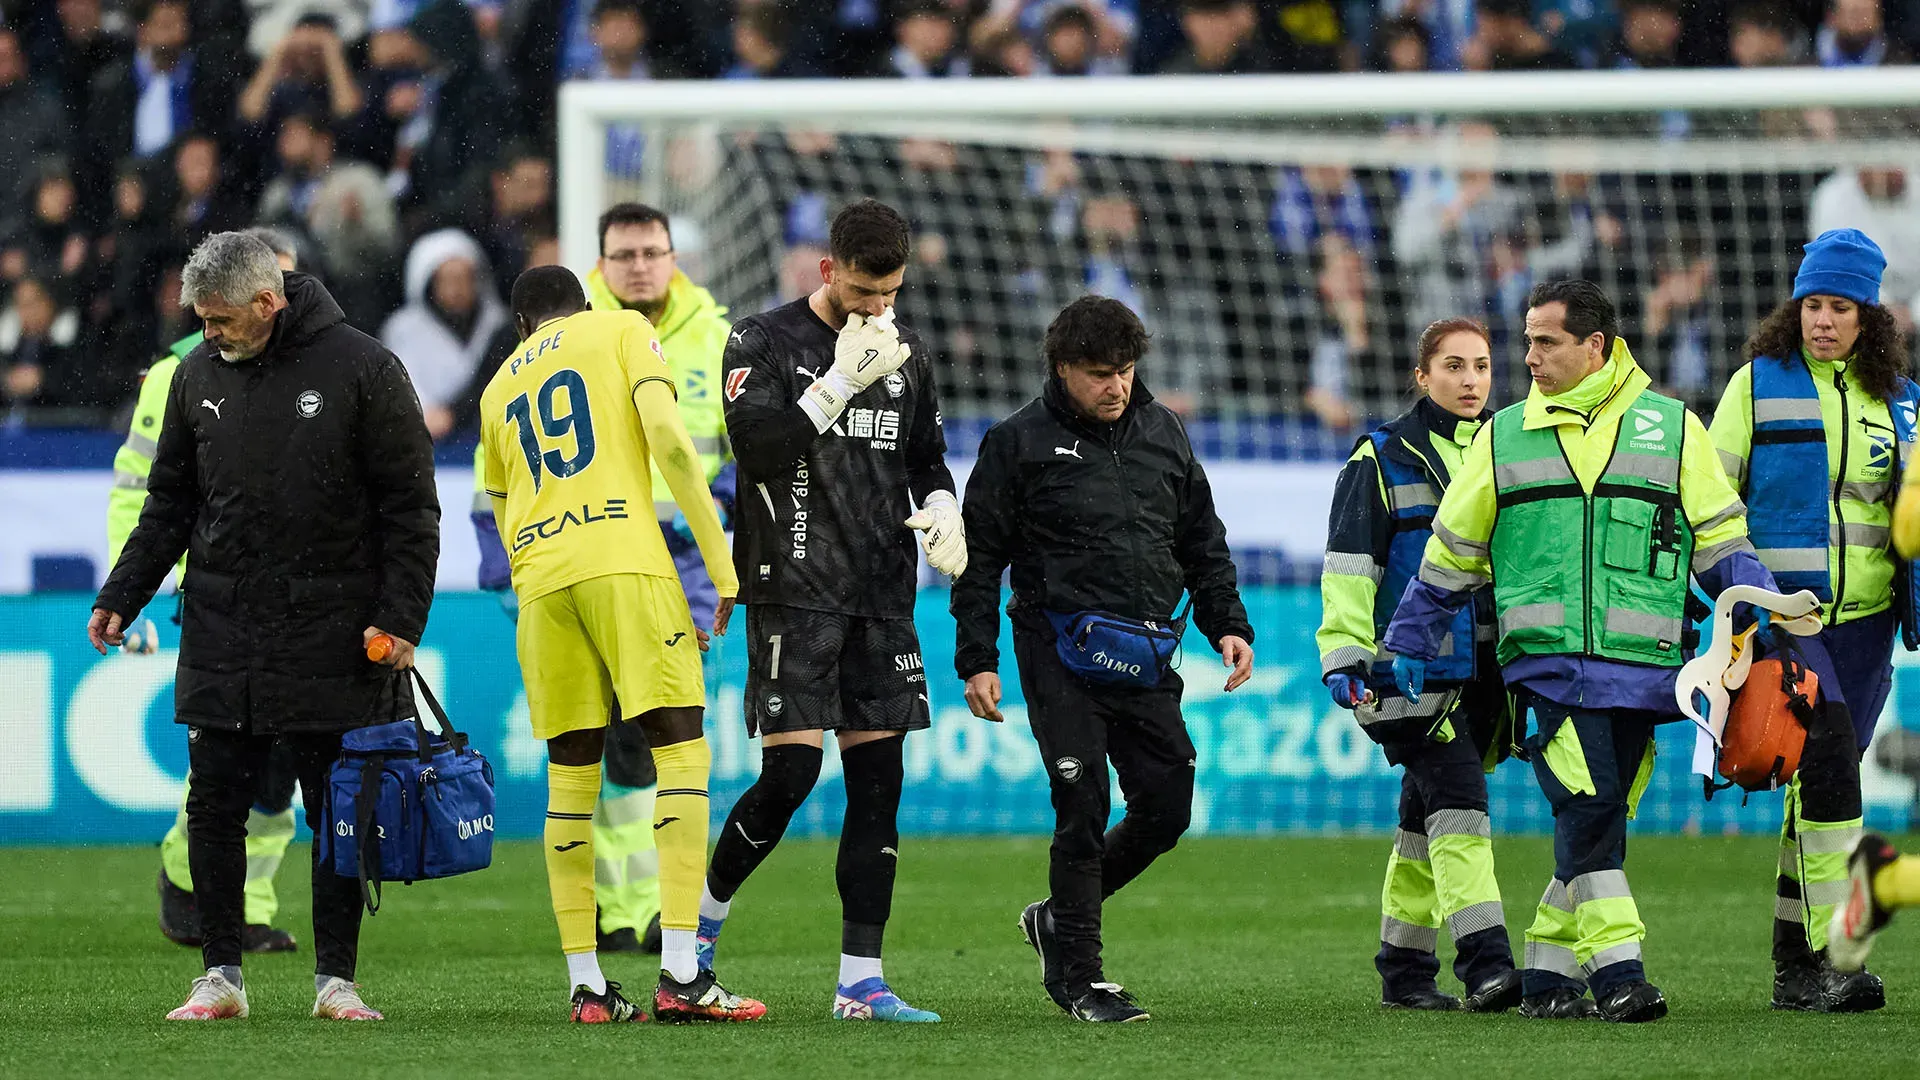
(1113, 650)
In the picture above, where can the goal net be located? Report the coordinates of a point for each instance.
(1285, 239)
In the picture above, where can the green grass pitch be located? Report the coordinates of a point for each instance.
(1254, 955)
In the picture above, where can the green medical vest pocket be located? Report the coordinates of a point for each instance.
(1532, 612)
(1634, 620)
(1629, 534)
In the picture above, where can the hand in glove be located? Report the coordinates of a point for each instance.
(867, 350)
(1349, 692)
(1410, 675)
(941, 535)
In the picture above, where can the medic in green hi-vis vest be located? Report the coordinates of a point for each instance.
(1440, 872)
(1586, 506)
(1815, 431)
(270, 825)
(637, 270)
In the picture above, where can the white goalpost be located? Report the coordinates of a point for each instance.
(1284, 237)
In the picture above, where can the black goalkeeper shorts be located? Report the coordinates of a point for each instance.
(810, 670)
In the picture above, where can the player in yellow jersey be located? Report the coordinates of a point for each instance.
(569, 425)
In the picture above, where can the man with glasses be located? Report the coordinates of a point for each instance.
(637, 271)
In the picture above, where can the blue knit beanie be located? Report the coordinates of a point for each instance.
(1841, 262)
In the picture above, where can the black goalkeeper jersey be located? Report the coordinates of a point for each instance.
(818, 515)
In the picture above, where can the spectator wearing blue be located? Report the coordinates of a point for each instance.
(926, 43)
(142, 105)
(1312, 201)
(1650, 40)
(1582, 29)
(621, 36)
(763, 45)
(1446, 27)
(1111, 27)
(1070, 44)
(1854, 34)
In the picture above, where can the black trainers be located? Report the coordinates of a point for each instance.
(650, 941)
(1560, 1003)
(179, 915)
(608, 1008)
(620, 940)
(1633, 1003)
(1816, 986)
(1429, 1000)
(1797, 986)
(1852, 991)
(261, 938)
(1498, 994)
(1107, 1003)
(1036, 923)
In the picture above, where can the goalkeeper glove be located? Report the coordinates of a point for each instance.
(867, 350)
(941, 533)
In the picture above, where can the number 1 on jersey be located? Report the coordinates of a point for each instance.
(577, 420)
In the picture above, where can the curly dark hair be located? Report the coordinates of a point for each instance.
(1880, 356)
(1095, 330)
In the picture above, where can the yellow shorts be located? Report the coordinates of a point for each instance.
(628, 635)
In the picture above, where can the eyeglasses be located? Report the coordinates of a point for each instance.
(628, 255)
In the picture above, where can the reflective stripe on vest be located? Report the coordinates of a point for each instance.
(1791, 521)
(1414, 498)
(1787, 489)
(1620, 591)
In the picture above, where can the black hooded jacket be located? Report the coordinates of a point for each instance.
(300, 486)
(1116, 517)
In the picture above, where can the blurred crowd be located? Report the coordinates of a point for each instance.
(406, 146)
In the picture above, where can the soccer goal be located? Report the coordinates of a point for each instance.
(1285, 238)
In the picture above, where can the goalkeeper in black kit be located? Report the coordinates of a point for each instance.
(831, 409)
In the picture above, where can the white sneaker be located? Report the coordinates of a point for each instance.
(213, 998)
(340, 1000)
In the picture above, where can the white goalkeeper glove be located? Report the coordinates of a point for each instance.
(867, 350)
(942, 535)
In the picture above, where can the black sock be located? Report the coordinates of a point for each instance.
(869, 842)
(759, 819)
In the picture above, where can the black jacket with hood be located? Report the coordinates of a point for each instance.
(300, 486)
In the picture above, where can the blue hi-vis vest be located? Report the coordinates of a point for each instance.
(1413, 499)
(1787, 516)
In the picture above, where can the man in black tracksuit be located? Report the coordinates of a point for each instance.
(1093, 494)
(295, 469)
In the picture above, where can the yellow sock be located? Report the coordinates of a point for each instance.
(680, 830)
(571, 793)
(1897, 885)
